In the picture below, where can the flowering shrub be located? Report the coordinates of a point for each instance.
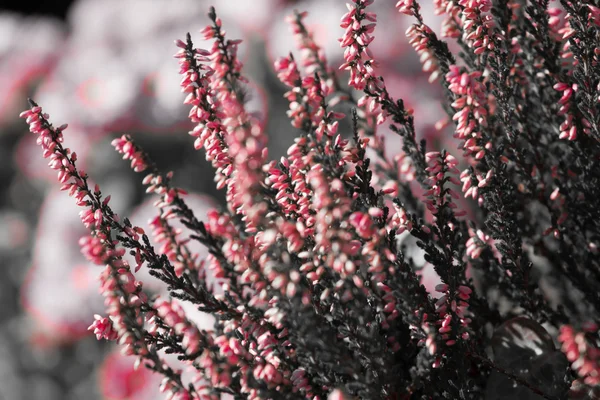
(309, 276)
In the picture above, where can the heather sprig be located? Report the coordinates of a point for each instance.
(313, 273)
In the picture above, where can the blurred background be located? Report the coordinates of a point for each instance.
(106, 68)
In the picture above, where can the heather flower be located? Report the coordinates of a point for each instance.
(103, 328)
(61, 287)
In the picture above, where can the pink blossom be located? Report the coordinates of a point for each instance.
(103, 328)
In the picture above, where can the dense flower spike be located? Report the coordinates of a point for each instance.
(126, 302)
(209, 130)
(356, 39)
(328, 275)
(581, 349)
(471, 115)
(418, 39)
(245, 139)
(314, 59)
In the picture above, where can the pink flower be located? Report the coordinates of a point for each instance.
(103, 328)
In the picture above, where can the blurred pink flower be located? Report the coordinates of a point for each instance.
(28, 50)
(119, 380)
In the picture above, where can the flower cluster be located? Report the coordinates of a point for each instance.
(581, 349)
(314, 274)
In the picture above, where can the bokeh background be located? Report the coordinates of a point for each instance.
(106, 68)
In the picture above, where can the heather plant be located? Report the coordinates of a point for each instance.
(311, 277)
